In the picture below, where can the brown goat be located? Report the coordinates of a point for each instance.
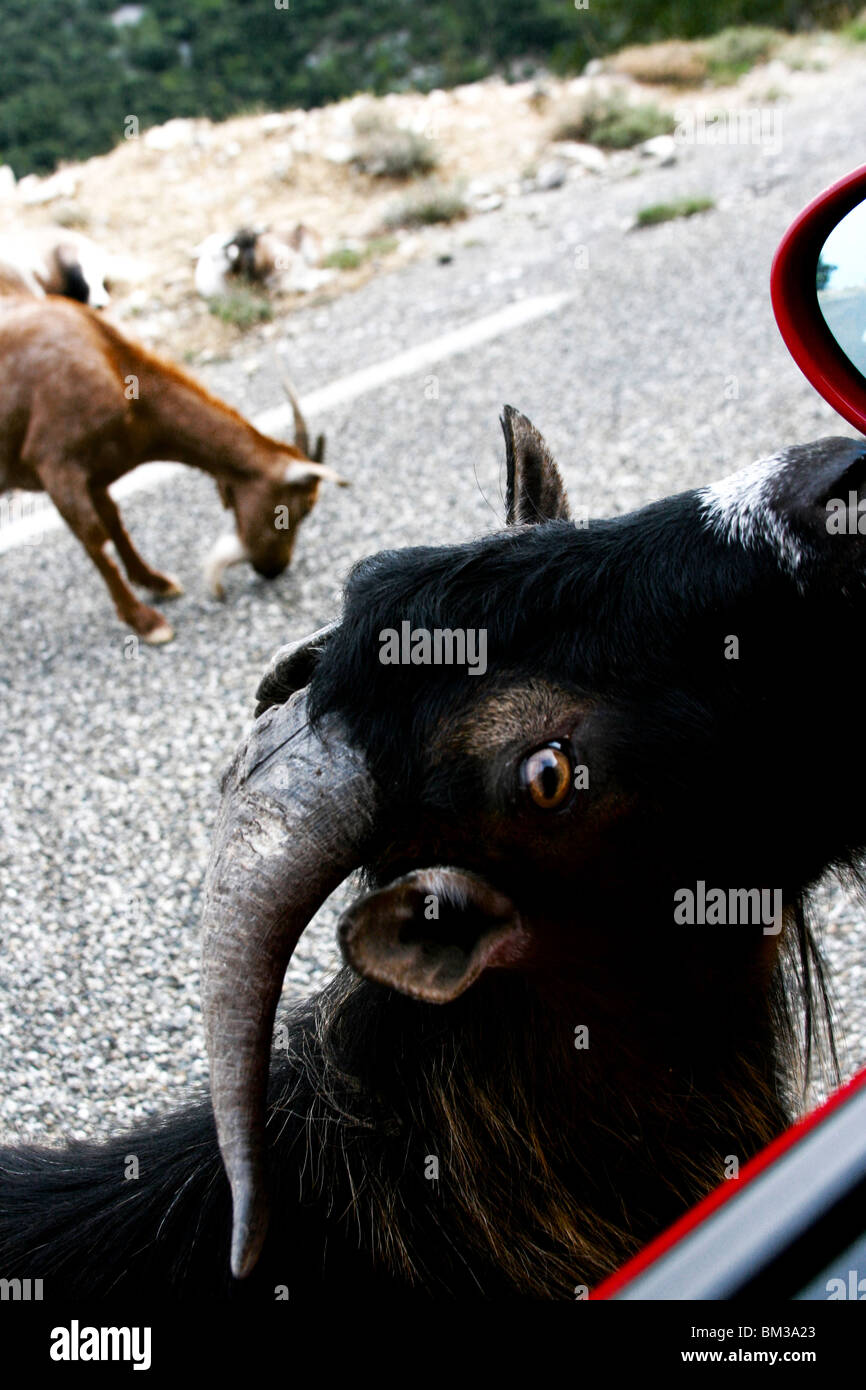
(80, 405)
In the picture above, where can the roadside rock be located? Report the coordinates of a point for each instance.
(587, 156)
(175, 134)
(339, 152)
(551, 174)
(662, 149)
(35, 191)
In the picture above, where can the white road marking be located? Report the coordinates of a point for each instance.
(40, 517)
(414, 359)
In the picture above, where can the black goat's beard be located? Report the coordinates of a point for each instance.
(542, 1166)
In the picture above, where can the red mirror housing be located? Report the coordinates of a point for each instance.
(795, 299)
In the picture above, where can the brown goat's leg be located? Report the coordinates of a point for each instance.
(66, 485)
(138, 570)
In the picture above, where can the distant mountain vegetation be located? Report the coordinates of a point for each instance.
(71, 71)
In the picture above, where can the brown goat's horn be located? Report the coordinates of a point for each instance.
(295, 812)
(302, 438)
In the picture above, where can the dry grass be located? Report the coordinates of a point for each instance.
(691, 63)
(431, 204)
(385, 149)
(675, 63)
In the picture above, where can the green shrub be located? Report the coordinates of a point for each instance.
(73, 217)
(381, 246)
(343, 258)
(856, 29)
(386, 150)
(350, 257)
(241, 308)
(736, 51)
(610, 122)
(432, 203)
(668, 212)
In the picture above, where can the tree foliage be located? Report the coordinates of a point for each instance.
(70, 75)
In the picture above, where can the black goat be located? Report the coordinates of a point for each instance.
(530, 1064)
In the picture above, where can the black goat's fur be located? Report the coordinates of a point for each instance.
(554, 1164)
(585, 1179)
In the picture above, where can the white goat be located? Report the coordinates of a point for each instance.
(54, 260)
(280, 262)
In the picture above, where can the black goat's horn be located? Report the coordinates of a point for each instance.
(297, 807)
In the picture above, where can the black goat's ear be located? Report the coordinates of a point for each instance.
(807, 502)
(291, 668)
(805, 480)
(431, 934)
(535, 490)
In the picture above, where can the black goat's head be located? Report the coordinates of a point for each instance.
(624, 718)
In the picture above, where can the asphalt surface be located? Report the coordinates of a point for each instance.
(662, 370)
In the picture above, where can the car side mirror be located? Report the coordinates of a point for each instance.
(818, 288)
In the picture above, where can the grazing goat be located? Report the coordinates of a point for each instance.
(531, 1062)
(276, 261)
(80, 405)
(54, 260)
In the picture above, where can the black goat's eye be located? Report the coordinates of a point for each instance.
(547, 776)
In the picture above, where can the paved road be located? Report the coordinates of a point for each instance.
(109, 766)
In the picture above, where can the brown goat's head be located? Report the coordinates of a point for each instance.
(627, 736)
(269, 504)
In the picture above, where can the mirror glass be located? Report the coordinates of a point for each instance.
(841, 285)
